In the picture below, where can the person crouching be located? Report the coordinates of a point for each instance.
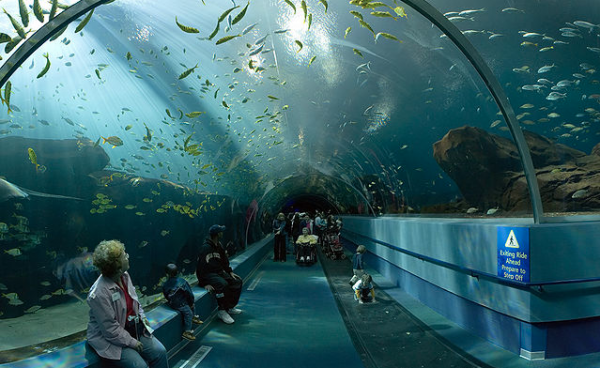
(363, 289)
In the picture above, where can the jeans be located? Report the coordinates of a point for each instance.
(187, 313)
(153, 355)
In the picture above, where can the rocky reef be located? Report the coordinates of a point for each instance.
(488, 171)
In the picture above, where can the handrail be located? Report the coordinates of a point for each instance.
(43, 34)
(488, 77)
(473, 272)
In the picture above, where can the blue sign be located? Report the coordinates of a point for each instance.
(513, 253)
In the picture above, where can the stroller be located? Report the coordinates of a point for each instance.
(331, 244)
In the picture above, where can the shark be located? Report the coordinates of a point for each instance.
(10, 191)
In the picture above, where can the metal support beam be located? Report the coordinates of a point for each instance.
(43, 34)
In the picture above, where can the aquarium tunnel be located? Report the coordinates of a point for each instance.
(459, 141)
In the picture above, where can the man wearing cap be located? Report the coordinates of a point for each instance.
(216, 275)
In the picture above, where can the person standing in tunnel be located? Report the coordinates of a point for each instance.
(216, 275)
(279, 229)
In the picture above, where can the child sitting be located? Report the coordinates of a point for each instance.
(363, 289)
(358, 267)
(180, 297)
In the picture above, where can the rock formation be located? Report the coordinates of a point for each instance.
(488, 171)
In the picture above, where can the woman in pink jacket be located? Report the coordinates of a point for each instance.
(118, 329)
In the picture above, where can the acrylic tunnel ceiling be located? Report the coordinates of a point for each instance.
(363, 106)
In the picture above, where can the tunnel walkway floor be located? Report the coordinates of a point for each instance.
(306, 316)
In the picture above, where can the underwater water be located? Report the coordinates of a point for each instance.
(158, 119)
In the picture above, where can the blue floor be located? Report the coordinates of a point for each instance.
(289, 319)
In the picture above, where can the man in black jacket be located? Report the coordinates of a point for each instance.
(216, 275)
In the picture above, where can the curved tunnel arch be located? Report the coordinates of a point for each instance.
(423, 7)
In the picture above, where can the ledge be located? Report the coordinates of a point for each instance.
(165, 321)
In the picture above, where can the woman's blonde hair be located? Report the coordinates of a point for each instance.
(361, 249)
(107, 257)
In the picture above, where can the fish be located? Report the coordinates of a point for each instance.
(325, 4)
(356, 14)
(553, 96)
(187, 72)
(84, 22)
(53, 9)
(495, 123)
(300, 45)
(24, 13)
(527, 43)
(382, 14)
(37, 11)
(226, 13)
(386, 35)
(347, 31)
(581, 193)
(114, 140)
(15, 252)
(241, 15)
(546, 68)
(512, 10)
(309, 21)
(46, 68)
(304, 9)
(357, 52)
(98, 73)
(148, 136)
(261, 40)
(164, 232)
(33, 159)
(584, 24)
(248, 29)
(6, 99)
(256, 50)
(312, 59)
(470, 12)
(214, 32)
(291, 5)
(227, 38)
(16, 25)
(366, 25)
(33, 309)
(460, 19)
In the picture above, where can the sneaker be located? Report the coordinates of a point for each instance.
(188, 335)
(197, 320)
(225, 317)
(234, 311)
